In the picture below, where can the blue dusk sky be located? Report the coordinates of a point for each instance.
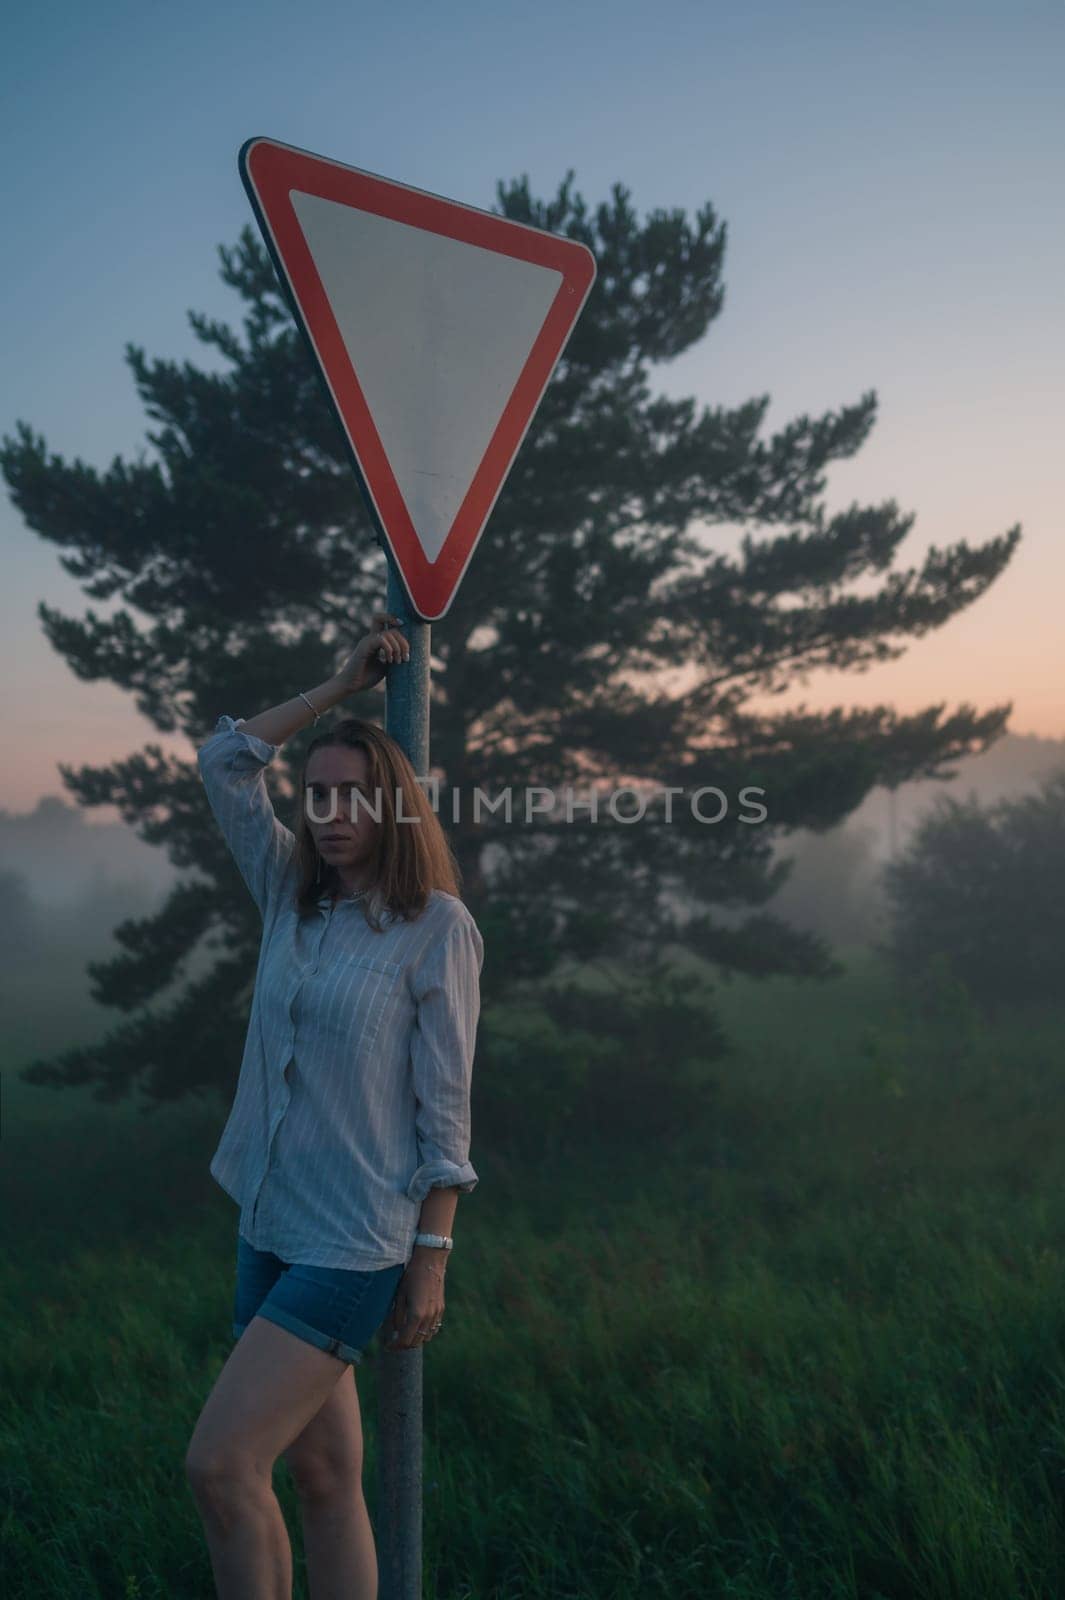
(891, 177)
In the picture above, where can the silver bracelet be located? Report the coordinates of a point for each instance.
(302, 696)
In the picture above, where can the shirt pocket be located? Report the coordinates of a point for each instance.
(381, 984)
(378, 964)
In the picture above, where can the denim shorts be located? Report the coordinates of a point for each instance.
(337, 1309)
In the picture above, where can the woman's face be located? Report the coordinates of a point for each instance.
(336, 776)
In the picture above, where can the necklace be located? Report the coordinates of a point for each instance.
(335, 896)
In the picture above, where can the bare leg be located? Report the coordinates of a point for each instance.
(269, 1389)
(326, 1467)
(251, 1557)
(339, 1545)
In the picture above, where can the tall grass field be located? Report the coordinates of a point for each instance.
(813, 1347)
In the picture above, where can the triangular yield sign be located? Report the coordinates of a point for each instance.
(435, 327)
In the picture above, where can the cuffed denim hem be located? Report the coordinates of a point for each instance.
(284, 1319)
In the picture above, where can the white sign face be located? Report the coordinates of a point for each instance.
(436, 328)
(452, 330)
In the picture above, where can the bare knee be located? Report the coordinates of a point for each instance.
(223, 1480)
(323, 1476)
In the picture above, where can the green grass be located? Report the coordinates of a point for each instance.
(813, 1349)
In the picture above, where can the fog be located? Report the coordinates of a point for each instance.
(67, 882)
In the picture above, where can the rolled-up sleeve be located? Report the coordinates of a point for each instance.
(447, 991)
(231, 764)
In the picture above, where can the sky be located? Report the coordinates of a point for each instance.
(891, 178)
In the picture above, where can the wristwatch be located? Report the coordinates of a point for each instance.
(438, 1241)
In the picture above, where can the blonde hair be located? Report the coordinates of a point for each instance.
(411, 858)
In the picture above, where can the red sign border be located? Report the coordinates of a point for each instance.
(270, 171)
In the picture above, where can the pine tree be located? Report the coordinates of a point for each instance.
(246, 567)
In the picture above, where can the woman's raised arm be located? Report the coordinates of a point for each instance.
(232, 760)
(363, 668)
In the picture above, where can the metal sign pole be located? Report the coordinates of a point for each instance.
(355, 251)
(399, 1402)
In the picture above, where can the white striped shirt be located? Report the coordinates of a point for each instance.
(353, 1098)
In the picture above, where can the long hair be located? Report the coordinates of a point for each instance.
(411, 858)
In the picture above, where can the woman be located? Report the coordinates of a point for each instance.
(348, 1139)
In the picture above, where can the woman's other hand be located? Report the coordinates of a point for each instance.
(417, 1307)
(376, 651)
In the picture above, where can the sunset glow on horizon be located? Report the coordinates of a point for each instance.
(892, 189)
